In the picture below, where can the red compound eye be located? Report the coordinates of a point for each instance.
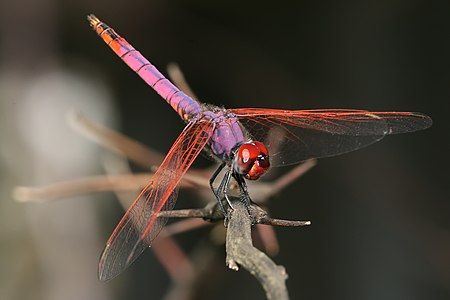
(248, 152)
(252, 160)
(262, 148)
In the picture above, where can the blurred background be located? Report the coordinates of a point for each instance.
(381, 215)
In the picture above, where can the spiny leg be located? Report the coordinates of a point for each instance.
(211, 184)
(224, 185)
(245, 198)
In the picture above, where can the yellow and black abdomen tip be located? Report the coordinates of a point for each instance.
(99, 26)
(106, 33)
(93, 20)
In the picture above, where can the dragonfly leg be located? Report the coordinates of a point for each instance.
(226, 181)
(216, 192)
(243, 186)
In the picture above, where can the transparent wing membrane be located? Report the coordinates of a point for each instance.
(140, 225)
(309, 134)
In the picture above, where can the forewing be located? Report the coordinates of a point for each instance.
(308, 134)
(140, 225)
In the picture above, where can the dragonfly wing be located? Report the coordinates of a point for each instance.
(308, 134)
(140, 225)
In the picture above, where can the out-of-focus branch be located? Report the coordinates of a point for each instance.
(114, 141)
(82, 186)
(292, 175)
(262, 190)
(174, 71)
(241, 252)
(93, 184)
(206, 258)
(183, 226)
(133, 150)
(268, 238)
(174, 260)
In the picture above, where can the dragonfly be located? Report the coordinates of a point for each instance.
(235, 138)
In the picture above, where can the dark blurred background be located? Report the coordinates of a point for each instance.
(381, 215)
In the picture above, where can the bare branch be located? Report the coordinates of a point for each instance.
(209, 212)
(284, 223)
(241, 252)
(260, 216)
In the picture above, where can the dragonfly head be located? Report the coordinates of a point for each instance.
(251, 160)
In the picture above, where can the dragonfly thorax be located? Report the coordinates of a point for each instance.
(251, 160)
(227, 132)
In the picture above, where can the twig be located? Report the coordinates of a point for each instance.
(113, 140)
(240, 251)
(260, 216)
(209, 212)
(284, 223)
